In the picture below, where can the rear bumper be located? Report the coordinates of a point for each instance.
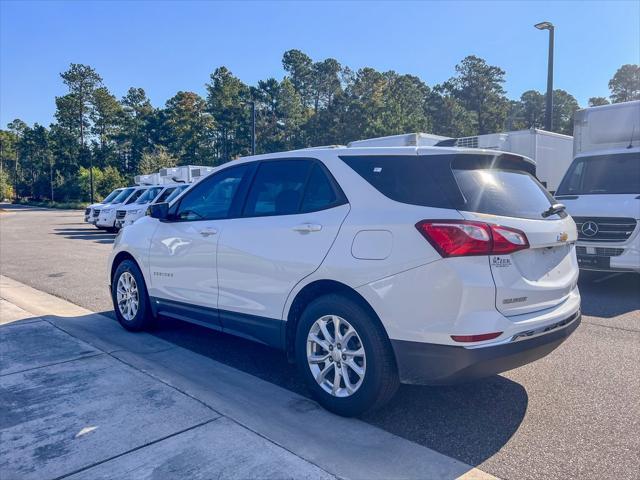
(431, 364)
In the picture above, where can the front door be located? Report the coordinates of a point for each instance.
(183, 249)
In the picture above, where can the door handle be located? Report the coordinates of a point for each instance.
(307, 228)
(207, 232)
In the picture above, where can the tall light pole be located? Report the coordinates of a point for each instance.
(253, 127)
(548, 112)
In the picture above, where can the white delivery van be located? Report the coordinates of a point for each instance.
(601, 189)
(551, 152)
(166, 193)
(89, 216)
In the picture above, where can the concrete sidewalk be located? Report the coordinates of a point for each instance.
(83, 398)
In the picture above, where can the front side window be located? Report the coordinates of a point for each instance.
(277, 188)
(212, 198)
(603, 174)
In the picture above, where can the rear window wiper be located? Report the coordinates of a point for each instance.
(553, 209)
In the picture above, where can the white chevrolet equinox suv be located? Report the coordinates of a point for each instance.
(368, 266)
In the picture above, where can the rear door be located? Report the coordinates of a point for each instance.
(291, 216)
(534, 278)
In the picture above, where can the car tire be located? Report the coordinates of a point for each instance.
(111, 229)
(379, 380)
(134, 315)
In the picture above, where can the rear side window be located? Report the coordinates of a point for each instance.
(405, 178)
(494, 184)
(319, 193)
(277, 188)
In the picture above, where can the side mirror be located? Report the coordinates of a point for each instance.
(159, 211)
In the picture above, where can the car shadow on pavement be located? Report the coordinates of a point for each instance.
(468, 422)
(609, 295)
(98, 236)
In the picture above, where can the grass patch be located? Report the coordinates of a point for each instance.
(50, 204)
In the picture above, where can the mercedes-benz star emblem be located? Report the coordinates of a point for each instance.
(589, 228)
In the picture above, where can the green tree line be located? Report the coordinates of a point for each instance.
(316, 103)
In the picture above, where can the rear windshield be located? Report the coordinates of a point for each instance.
(502, 192)
(602, 174)
(494, 184)
(149, 195)
(111, 196)
(123, 195)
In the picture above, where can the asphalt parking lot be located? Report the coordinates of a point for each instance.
(575, 413)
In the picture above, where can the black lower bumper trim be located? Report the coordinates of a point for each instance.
(430, 364)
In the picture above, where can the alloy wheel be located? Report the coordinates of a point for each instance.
(336, 356)
(127, 296)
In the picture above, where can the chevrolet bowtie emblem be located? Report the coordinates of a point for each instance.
(563, 237)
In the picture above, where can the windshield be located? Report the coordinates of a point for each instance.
(175, 193)
(149, 195)
(111, 196)
(123, 195)
(602, 174)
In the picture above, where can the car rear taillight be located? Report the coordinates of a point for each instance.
(458, 238)
(508, 240)
(476, 338)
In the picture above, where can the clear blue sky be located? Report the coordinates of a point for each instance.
(166, 46)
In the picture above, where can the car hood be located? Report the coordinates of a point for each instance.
(621, 205)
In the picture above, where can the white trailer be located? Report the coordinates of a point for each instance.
(552, 152)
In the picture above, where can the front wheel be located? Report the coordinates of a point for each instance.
(130, 298)
(345, 356)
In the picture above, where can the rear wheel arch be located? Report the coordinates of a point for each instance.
(313, 291)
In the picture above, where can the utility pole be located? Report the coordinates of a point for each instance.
(548, 112)
(253, 127)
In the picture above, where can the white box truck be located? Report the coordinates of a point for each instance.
(552, 152)
(601, 189)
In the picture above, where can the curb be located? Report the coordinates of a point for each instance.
(360, 451)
